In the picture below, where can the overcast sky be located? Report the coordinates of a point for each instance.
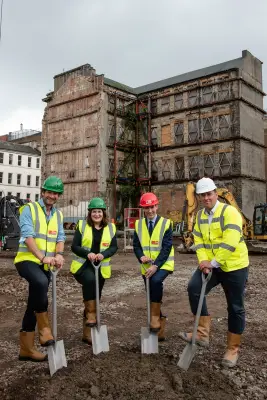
(131, 41)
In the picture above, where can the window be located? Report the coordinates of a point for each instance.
(224, 91)
(37, 181)
(207, 95)
(193, 131)
(111, 132)
(18, 195)
(1, 158)
(29, 162)
(18, 179)
(225, 164)
(193, 98)
(179, 168)
(224, 126)
(37, 197)
(165, 104)
(178, 101)
(37, 162)
(28, 180)
(194, 167)
(209, 165)
(166, 171)
(154, 171)
(1, 177)
(9, 178)
(9, 193)
(207, 124)
(154, 137)
(111, 168)
(179, 132)
(28, 196)
(19, 160)
(10, 159)
(154, 106)
(1, 194)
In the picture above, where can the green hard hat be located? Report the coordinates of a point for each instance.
(97, 202)
(53, 184)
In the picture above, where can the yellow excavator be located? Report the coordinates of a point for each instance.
(255, 233)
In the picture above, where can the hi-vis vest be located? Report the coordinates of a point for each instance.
(46, 234)
(222, 240)
(152, 246)
(87, 240)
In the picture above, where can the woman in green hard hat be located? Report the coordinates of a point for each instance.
(94, 241)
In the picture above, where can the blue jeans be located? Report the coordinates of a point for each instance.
(233, 284)
(156, 285)
(39, 280)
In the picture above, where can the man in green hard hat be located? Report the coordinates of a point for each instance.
(41, 245)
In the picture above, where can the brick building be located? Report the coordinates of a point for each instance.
(105, 138)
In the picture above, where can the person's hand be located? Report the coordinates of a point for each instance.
(99, 257)
(145, 260)
(91, 257)
(205, 267)
(59, 261)
(151, 271)
(49, 260)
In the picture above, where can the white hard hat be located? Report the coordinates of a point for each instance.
(205, 185)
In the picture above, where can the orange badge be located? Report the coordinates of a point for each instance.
(154, 242)
(52, 232)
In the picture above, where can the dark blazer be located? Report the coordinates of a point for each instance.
(165, 250)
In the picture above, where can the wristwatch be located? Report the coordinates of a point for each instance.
(60, 252)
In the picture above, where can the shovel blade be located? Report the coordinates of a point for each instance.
(56, 357)
(149, 342)
(187, 356)
(100, 339)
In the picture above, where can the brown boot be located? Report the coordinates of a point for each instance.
(86, 333)
(155, 317)
(231, 356)
(161, 334)
(28, 351)
(90, 313)
(203, 332)
(45, 334)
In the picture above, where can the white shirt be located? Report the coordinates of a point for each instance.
(210, 214)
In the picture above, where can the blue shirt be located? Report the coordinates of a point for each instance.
(26, 224)
(153, 221)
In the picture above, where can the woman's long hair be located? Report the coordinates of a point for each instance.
(104, 221)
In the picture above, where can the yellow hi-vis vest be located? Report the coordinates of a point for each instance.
(87, 240)
(222, 240)
(46, 235)
(152, 246)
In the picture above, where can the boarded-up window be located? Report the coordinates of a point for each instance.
(225, 164)
(165, 104)
(179, 132)
(209, 165)
(111, 132)
(193, 130)
(179, 168)
(111, 168)
(224, 91)
(207, 126)
(154, 171)
(166, 135)
(121, 134)
(154, 106)
(194, 167)
(154, 137)
(193, 98)
(224, 126)
(207, 94)
(121, 169)
(166, 170)
(178, 101)
(111, 103)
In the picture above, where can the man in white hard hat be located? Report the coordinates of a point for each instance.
(220, 247)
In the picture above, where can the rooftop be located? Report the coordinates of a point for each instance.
(18, 148)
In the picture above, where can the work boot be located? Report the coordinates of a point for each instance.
(90, 313)
(28, 351)
(86, 333)
(203, 332)
(155, 317)
(45, 334)
(231, 356)
(161, 334)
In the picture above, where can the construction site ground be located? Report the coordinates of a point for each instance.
(123, 373)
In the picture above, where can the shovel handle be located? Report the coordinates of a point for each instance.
(148, 297)
(205, 280)
(96, 268)
(54, 301)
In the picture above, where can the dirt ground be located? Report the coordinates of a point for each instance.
(123, 373)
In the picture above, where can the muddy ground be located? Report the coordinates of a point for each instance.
(123, 374)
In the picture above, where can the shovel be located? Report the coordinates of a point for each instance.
(191, 348)
(99, 333)
(149, 340)
(56, 352)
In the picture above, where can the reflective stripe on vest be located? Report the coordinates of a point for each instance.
(86, 243)
(152, 246)
(45, 235)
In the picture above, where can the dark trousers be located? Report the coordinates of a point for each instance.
(39, 280)
(233, 284)
(156, 285)
(86, 277)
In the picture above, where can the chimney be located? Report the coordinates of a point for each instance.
(21, 127)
